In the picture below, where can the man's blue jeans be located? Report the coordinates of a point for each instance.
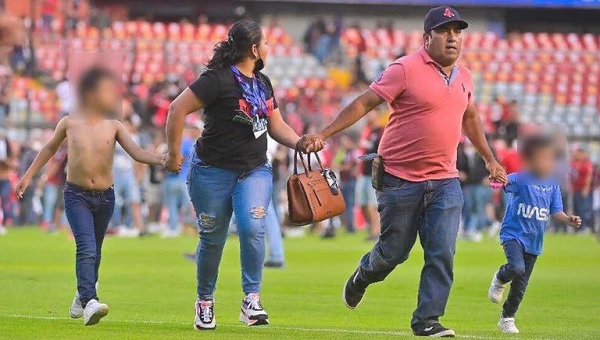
(431, 210)
(216, 193)
(88, 212)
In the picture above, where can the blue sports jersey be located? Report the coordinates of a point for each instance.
(531, 202)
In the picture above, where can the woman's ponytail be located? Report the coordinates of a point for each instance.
(242, 35)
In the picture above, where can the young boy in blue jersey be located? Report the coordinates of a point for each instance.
(534, 196)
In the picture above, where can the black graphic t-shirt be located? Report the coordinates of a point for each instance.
(228, 139)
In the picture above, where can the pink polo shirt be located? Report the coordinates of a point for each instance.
(420, 140)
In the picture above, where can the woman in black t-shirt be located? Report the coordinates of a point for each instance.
(229, 171)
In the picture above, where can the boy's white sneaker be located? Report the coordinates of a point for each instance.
(76, 309)
(252, 313)
(93, 312)
(507, 325)
(496, 291)
(205, 315)
(3, 230)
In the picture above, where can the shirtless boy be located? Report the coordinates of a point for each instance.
(91, 135)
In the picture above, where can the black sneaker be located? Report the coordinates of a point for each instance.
(205, 315)
(354, 290)
(435, 330)
(253, 313)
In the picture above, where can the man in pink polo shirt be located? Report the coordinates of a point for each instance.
(431, 100)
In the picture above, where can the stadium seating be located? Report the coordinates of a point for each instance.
(554, 77)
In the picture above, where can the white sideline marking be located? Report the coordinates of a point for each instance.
(324, 330)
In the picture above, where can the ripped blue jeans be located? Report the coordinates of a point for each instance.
(216, 193)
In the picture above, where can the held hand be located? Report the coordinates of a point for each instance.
(310, 143)
(173, 162)
(574, 221)
(21, 187)
(497, 172)
(163, 159)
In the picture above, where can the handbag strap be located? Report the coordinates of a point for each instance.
(318, 161)
(297, 155)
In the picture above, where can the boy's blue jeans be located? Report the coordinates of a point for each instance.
(88, 212)
(216, 193)
(430, 209)
(517, 271)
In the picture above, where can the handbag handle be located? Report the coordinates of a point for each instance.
(297, 155)
(318, 161)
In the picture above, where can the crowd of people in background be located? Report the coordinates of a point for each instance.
(150, 200)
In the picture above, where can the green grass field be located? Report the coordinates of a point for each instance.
(150, 289)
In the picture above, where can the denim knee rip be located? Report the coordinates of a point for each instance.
(258, 212)
(206, 222)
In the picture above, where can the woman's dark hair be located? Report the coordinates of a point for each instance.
(91, 78)
(242, 35)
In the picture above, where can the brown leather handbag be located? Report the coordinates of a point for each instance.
(314, 195)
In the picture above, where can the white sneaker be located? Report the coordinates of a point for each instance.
(205, 315)
(93, 312)
(170, 234)
(507, 325)
(496, 291)
(494, 228)
(252, 312)
(3, 230)
(76, 309)
(128, 232)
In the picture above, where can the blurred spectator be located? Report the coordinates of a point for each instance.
(65, 97)
(322, 39)
(346, 161)
(509, 126)
(462, 165)
(581, 181)
(312, 35)
(154, 184)
(500, 111)
(7, 164)
(478, 196)
(5, 93)
(562, 173)
(175, 189)
(100, 19)
(49, 9)
(27, 215)
(127, 178)
(53, 180)
(596, 199)
(365, 194)
(276, 257)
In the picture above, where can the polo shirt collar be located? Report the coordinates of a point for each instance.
(428, 60)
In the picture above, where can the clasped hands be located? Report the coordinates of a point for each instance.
(312, 142)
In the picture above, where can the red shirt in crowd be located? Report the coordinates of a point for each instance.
(581, 170)
(511, 161)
